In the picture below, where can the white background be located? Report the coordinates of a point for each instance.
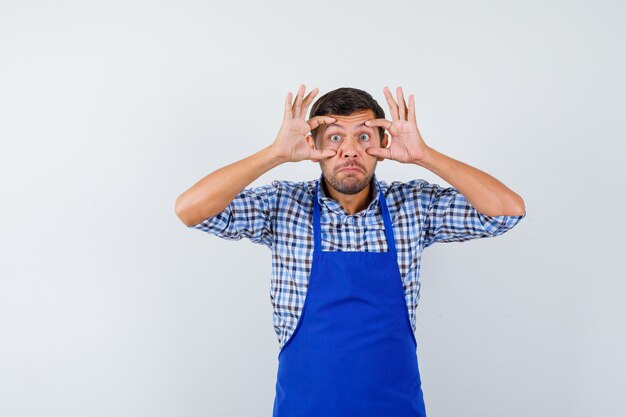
(111, 306)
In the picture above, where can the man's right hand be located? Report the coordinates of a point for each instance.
(214, 192)
(290, 144)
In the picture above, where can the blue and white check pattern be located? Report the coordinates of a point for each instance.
(280, 216)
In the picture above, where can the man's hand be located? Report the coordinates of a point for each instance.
(290, 144)
(484, 192)
(407, 144)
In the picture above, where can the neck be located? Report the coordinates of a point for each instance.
(351, 203)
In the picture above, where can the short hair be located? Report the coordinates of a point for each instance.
(343, 102)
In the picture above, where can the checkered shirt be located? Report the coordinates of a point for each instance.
(280, 216)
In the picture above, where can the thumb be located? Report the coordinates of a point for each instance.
(316, 155)
(379, 152)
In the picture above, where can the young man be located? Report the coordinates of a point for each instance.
(346, 247)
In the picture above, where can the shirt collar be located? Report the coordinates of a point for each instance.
(336, 207)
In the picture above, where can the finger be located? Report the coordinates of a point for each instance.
(317, 155)
(401, 103)
(287, 114)
(379, 152)
(298, 103)
(307, 102)
(393, 107)
(412, 109)
(378, 122)
(319, 120)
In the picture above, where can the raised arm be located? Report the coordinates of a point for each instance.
(485, 193)
(216, 191)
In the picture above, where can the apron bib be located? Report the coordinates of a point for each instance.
(353, 351)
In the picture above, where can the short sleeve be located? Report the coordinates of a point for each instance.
(449, 217)
(249, 215)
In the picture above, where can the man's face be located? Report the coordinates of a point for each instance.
(349, 137)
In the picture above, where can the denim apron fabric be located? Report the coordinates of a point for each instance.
(353, 352)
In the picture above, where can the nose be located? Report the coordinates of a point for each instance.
(349, 148)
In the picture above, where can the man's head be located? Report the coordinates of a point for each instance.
(349, 137)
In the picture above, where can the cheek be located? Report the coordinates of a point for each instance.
(323, 144)
(366, 145)
(332, 145)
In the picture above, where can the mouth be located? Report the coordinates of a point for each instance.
(350, 169)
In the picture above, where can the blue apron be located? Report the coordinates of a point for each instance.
(353, 351)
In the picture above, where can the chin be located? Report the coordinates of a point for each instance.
(351, 183)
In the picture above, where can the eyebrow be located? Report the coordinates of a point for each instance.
(329, 125)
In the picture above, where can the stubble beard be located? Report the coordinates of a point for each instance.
(348, 184)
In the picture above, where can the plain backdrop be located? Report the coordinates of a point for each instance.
(111, 306)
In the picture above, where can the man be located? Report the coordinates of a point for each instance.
(346, 247)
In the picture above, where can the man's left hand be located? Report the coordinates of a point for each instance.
(407, 144)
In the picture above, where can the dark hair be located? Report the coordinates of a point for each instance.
(343, 102)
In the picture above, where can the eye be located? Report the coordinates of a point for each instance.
(367, 137)
(333, 136)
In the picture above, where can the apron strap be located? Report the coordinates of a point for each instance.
(316, 221)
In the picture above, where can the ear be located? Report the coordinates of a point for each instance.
(384, 141)
(310, 140)
(383, 144)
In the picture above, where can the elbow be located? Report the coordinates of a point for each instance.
(179, 209)
(187, 213)
(513, 208)
(513, 205)
(519, 212)
(519, 208)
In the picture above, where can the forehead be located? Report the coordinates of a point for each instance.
(351, 121)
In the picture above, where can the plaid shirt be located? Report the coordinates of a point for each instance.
(280, 216)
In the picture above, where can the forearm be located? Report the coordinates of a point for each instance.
(213, 193)
(485, 193)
